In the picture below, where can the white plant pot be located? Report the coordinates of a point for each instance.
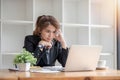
(23, 66)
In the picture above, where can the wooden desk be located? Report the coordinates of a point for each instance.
(8, 75)
(90, 75)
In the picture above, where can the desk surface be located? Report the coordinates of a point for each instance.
(87, 75)
(8, 75)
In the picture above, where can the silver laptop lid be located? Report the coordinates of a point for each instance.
(82, 57)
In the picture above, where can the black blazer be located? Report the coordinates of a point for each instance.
(56, 52)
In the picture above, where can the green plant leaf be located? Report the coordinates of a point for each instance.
(24, 57)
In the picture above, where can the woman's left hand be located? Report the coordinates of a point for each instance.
(59, 36)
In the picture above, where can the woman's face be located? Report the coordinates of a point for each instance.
(48, 33)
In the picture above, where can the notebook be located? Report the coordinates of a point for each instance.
(82, 58)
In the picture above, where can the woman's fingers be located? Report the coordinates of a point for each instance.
(46, 44)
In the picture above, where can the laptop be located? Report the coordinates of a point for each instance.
(82, 58)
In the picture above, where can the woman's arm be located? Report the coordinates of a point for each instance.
(62, 48)
(62, 55)
(31, 45)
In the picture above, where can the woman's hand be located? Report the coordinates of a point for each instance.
(46, 44)
(59, 36)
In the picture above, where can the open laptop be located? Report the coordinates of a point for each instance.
(80, 58)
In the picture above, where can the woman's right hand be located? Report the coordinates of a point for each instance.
(46, 44)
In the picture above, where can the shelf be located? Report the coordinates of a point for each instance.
(104, 37)
(102, 12)
(76, 11)
(17, 21)
(75, 25)
(49, 7)
(15, 53)
(7, 61)
(13, 35)
(106, 54)
(65, 24)
(76, 35)
(101, 26)
(86, 25)
(10, 53)
(17, 9)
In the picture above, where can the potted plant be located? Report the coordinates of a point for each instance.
(24, 60)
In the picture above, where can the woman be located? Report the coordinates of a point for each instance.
(47, 42)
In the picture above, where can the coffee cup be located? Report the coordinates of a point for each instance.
(101, 63)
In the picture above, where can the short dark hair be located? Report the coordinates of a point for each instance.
(44, 21)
